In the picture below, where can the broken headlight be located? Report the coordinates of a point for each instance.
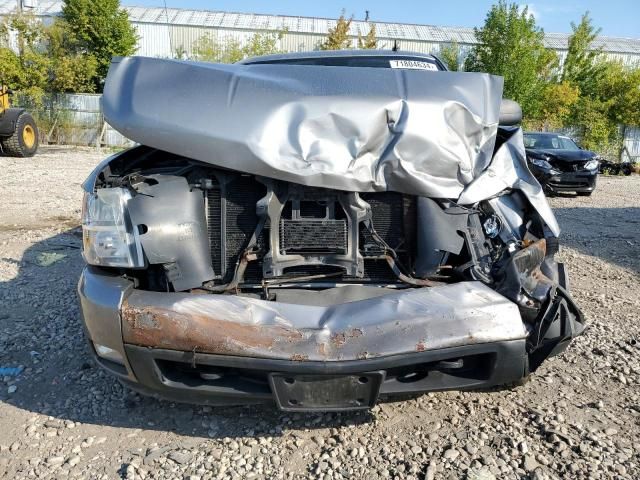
(108, 236)
(539, 162)
(591, 164)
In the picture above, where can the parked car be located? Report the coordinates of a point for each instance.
(560, 165)
(319, 230)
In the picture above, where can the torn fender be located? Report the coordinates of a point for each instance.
(509, 170)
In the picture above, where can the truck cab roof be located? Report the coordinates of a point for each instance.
(352, 58)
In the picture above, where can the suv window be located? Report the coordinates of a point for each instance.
(567, 144)
(529, 141)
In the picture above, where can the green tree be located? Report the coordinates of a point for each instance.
(584, 69)
(590, 116)
(70, 71)
(582, 66)
(208, 49)
(622, 86)
(450, 56)
(609, 91)
(511, 45)
(616, 104)
(27, 70)
(556, 102)
(369, 41)
(99, 28)
(338, 37)
(42, 62)
(263, 44)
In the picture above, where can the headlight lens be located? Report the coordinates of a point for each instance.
(540, 163)
(591, 164)
(109, 238)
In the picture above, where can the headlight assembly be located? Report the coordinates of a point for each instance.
(540, 163)
(108, 237)
(591, 164)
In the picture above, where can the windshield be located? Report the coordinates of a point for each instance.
(549, 142)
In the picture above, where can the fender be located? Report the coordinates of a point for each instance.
(8, 120)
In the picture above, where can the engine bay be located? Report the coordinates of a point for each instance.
(220, 231)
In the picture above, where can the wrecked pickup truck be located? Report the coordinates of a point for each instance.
(319, 230)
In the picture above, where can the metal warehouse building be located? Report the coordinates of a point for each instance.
(163, 32)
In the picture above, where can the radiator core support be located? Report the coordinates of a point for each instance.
(285, 200)
(307, 231)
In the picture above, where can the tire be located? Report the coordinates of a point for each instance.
(584, 194)
(24, 141)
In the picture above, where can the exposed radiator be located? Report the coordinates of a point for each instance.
(307, 235)
(232, 219)
(214, 218)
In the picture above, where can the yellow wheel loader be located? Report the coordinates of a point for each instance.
(18, 130)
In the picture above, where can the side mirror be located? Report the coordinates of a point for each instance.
(510, 113)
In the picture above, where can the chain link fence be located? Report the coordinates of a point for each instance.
(72, 119)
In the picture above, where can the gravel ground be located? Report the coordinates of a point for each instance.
(578, 417)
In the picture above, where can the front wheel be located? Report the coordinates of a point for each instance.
(24, 140)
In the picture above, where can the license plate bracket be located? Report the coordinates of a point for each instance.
(299, 393)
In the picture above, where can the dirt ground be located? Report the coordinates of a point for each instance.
(579, 416)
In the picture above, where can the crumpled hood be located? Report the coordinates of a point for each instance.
(416, 132)
(357, 129)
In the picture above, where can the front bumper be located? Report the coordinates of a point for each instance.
(580, 181)
(224, 349)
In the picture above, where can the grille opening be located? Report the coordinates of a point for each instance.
(468, 370)
(394, 220)
(241, 196)
(473, 367)
(305, 235)
(305, 270)
(312, 222)
(569, 185)
(375, 271)
(568, 166)
(308, 227)
(314, 209)
(247, 380)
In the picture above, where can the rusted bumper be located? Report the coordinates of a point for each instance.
(164, 336)
(408, 321)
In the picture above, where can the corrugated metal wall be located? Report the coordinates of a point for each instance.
(162, 40)
(163, 30)
(632, 142)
